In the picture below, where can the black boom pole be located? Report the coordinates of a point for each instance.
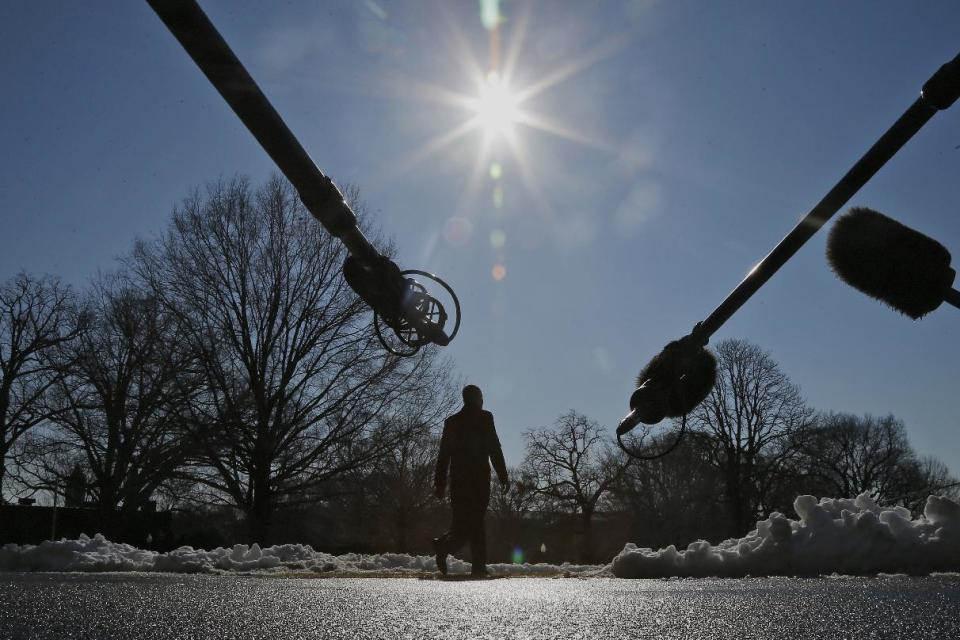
(682, 375)
(416, 317)
(201, 40)
(938, 93)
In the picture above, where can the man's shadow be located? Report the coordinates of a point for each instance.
(460, 577)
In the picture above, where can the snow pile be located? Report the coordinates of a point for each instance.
(847, 536)
(99, 554)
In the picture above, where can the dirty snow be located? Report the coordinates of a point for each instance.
(99, 554)
(845, 536)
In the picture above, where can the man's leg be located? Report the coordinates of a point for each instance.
(440, 553)
(458, 534)
(478, 546)
(477, 530)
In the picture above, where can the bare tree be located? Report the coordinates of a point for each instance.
(675, 499)
(36, 316)
(520, 497)
(753, 415)
(923, 477)
(850, 455)
(296, 389)
(853, 454)
(119, 402)
(399, 488)
(573, 466)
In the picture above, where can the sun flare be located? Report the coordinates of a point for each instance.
(499, 110)
(495, 106)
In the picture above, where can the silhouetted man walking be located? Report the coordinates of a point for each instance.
(468, 445)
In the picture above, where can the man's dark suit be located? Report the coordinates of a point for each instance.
(468, 445)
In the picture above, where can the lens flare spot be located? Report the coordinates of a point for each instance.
(498, 197)
(499, 272)
(490, 14)
(517, 555)
(497, 239)
(496, 170)
(458, 231)
(543, 547)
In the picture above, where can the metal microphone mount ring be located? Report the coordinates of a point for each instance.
(403, 304)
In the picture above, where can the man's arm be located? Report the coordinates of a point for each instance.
(496, 452)
(443, 463)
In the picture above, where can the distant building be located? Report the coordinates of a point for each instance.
(25, 523)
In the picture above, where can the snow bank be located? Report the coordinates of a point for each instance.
(99, 554)
(847, 536)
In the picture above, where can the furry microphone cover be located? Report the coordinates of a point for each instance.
(686, 372)
(889, 261)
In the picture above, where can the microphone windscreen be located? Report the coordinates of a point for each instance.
(890, 261)
(684, 373)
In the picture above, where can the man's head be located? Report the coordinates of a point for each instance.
(472, 396)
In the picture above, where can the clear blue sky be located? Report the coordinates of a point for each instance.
(694, 135)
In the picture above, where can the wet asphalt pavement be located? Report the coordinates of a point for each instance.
(127, 606)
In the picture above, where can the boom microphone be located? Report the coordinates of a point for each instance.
(891, 262)
(672, 384)
(686, 385)
(402, 302)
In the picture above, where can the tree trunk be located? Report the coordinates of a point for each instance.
(111, 524)
(735, 505)
(261, 511)
(586, 539)
(401, 532)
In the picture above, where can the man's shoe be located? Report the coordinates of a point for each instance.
(441, 555)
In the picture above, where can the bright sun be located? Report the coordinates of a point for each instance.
(495, 107)
(500, 109)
